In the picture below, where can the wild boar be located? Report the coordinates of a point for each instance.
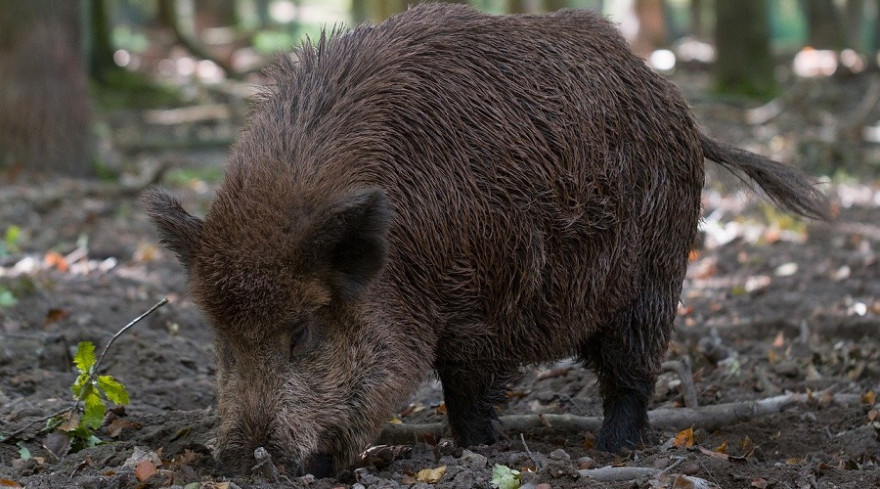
(453, 192)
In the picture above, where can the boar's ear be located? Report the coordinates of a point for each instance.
(349, 241)
(178, 229)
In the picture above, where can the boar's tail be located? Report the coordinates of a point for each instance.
(786, 186)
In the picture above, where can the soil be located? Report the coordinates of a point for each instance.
(769, 306)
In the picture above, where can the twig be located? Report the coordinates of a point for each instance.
(529, 452)
(688, 389)
(122, 331)
(24, 428)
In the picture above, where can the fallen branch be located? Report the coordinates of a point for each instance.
(672, 419)
(688, 389)
(62, 190)
(612, 474)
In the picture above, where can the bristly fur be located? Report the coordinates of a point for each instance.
(456, 192)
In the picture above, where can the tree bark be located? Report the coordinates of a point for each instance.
(742, 37)
(45, 104)
(824, 27)
(101, 53)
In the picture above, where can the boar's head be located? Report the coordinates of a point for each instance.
(306, 366)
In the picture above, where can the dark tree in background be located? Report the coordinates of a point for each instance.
(742, 36)
(824, 25)
(45, 105)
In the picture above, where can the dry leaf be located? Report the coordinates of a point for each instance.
(779, 342)
(868, 398)
(56, 260)
(684, 438)
(117, 425)
(441, 409)
(759, 483)
(9, 483)
(431, 476)
(748, 447)
(56, 314)
(215, 485)
(144, 470)
(722, 448)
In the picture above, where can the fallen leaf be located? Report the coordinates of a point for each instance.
(117, 425)
(779, 341)
(9, 483)
(722, 448)
(759, 483)
(868, 398)
(56, 314)
(684, 438)
(56, 260)
(748, 447)
(215, 485)
(57, 443)
(412, 408)
(144, 470)
(431, 476)
(503, 477)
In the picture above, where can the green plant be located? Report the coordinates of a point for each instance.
(6, 298)
(91, 391)
(10, 241)
(503, 477)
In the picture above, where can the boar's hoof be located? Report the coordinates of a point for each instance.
(319, 465)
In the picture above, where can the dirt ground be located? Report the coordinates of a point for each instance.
(770, 306)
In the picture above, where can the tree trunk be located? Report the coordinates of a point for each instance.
(824, 28)
(215, 13)
(554, 5)
(742, 38)
(45, 105)
(855, 14)
(652, 27)
(101, 54)
(698, 28)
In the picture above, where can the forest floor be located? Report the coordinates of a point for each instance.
(770, 306)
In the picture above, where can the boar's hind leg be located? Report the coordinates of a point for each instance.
(626, 355)
(470, 398)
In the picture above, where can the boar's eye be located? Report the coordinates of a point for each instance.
(300, 339)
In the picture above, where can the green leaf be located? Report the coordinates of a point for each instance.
(113, 389)
(13, 233)
(503, 477)
(82, 387)
(82, 437)
(7, 299)
(94, 411)
(85, 356)
(23, 451)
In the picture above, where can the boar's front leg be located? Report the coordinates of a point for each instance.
(626, 355)
(470, 397)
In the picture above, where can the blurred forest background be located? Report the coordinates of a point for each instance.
(71, 72)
